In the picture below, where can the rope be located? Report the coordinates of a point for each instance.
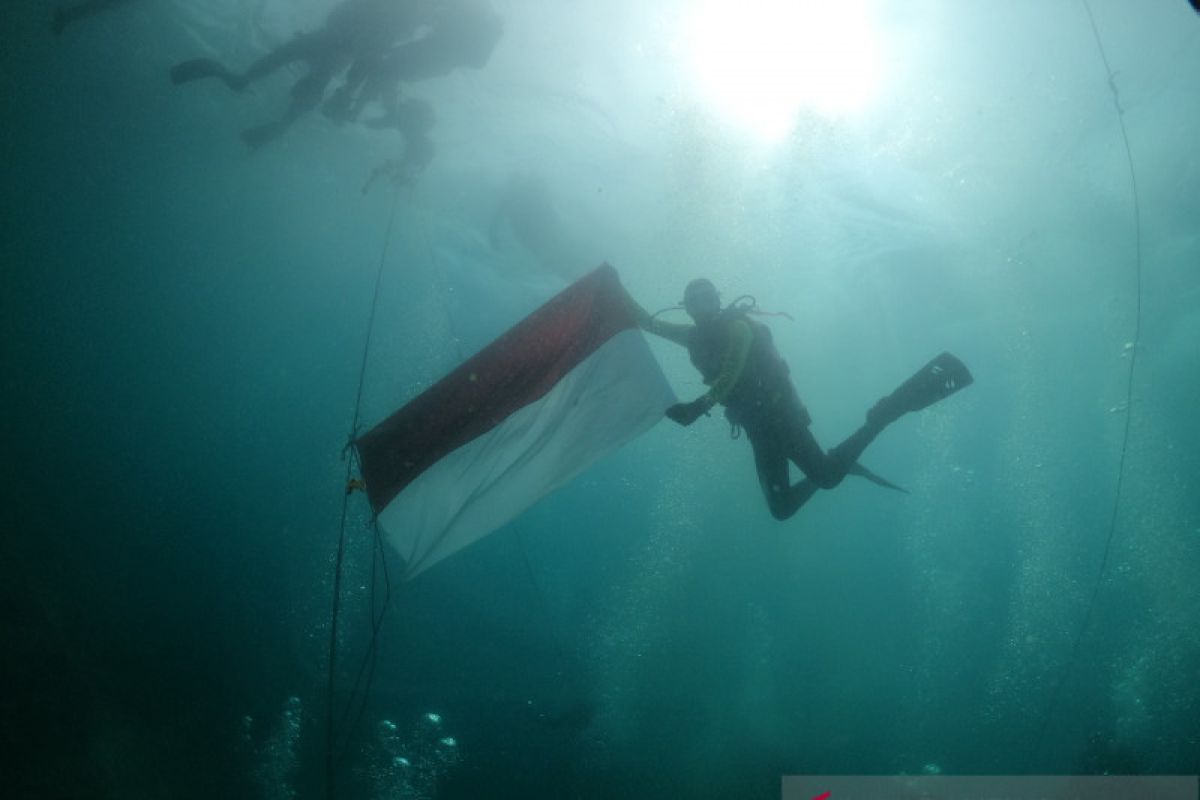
(330, 728)
(370, 658)
(1133, 353)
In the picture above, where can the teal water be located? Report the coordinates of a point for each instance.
(181, 328)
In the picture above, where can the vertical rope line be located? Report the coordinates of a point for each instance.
(366, 668)
(1135, 346)
(330, 759)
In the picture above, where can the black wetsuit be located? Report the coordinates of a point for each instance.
(759, 398)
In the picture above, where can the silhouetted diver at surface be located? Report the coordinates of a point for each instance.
(461, 34)
(351, 30)
(65, 15)
(358, 37)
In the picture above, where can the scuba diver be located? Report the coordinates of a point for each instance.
(737, 358)
(461, 33)
(359, 39)
(65, 15)
(351, 30)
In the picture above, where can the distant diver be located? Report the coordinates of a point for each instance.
(66, 15)
(350, 29)
(358, 38)
(458, 34)
(737, 358)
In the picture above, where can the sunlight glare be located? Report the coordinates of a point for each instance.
(761, 62)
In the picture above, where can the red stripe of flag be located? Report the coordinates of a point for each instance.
(517, 369)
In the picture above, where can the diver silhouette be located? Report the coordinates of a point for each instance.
(736, 357)
(359, 38)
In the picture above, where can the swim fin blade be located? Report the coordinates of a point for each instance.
(878, 480)
(937, 380)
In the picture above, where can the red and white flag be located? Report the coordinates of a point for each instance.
(570, 383)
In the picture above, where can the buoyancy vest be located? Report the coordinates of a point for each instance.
(764, 375)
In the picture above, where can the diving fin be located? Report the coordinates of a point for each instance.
(863, 472)
(937, 380)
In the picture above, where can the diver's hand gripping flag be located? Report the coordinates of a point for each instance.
(570, 383)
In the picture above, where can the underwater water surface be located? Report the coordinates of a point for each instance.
(182, 328)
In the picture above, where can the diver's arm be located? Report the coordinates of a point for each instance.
(676, 332)
(733, 363)
(672, 331)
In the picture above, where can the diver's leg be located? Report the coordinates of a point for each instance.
(364, 66)
(790, 427)
(357, 89)
(827, 470)
(937, 380)
(771, 461)
(301, 47)
(807, 454)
